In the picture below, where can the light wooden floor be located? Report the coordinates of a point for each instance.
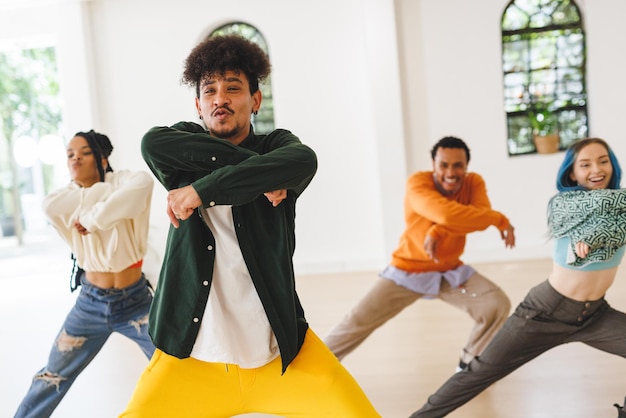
(398, 366)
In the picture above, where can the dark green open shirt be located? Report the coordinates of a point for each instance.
(225, 174)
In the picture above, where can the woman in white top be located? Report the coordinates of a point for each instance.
(103, 216)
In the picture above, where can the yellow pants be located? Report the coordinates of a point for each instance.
(315, 385)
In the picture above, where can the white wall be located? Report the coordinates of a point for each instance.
(324, 80)
(370, 85)
(32, 23)
(454, 48)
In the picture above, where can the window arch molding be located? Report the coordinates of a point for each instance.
(263, 122)
(544, 73)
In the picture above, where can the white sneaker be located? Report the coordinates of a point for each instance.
(461, 367)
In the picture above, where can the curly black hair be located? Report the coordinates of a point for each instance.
(218, 54)
(450, 142)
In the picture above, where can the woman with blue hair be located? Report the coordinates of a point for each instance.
(587, 221)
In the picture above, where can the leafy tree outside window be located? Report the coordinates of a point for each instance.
(544, 57)
(30, 108)
(263, 122)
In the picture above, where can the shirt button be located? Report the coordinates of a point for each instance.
(195, 320)
(213, 159)
(205, 283)
(580, 319)
(210, 248)
(587, 305)
(211, 203)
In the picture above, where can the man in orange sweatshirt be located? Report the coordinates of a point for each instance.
(441, 207)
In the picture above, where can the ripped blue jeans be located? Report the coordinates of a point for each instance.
(95, 316)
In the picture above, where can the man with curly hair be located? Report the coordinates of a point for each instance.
(230, 332)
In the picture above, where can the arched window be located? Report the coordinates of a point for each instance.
(544, 57)
(263, 121)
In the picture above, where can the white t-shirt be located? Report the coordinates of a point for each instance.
(234, 328)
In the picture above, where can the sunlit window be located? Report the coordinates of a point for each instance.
(543, 60)
(263, 122)
(32, 156)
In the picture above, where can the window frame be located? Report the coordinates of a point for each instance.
(544, 73)
(263, 121)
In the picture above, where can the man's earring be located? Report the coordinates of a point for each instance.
(200, 116)
(256, 112)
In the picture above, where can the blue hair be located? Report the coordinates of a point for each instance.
(563, 181)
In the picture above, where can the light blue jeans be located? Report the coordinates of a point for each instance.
(95, 316)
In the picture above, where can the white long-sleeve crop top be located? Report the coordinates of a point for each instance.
(116, 212)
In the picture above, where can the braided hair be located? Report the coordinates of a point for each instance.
(101, 147)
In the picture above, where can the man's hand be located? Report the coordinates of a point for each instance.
(276, 196)
(581, 249)
(430, 246)
(181, 204)
(508, 236)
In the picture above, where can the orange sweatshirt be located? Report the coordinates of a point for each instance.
(447, 218)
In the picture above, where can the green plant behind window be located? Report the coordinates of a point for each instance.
(29, 106)
(543, 62)
(543, 119)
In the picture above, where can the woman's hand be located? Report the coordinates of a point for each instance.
(581, 249)
(80, 228)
